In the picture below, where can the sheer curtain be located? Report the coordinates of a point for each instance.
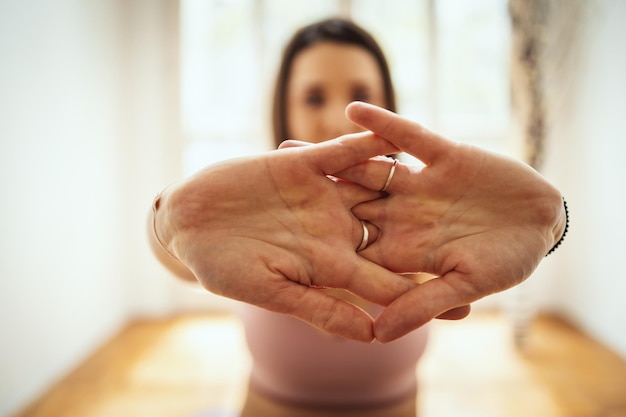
(545, 36)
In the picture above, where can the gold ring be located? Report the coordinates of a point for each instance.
(366, 235)
(390, 176)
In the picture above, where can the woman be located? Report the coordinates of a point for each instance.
(324, 67)
(271, 230)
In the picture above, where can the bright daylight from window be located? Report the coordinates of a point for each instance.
(449, 62)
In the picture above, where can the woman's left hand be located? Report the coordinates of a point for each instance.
(479, 221)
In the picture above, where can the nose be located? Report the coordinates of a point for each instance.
(335, 122)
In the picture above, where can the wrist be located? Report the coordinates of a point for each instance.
(161, 227)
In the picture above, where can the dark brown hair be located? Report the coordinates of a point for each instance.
(329, 30)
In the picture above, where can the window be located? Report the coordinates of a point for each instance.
(449, 62)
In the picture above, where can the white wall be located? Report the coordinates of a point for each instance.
(586, 160)
(152, 140)
(61, 282)
(87, 112)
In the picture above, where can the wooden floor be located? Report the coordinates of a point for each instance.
(197, 365)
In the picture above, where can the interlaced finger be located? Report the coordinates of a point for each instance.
(408, 136)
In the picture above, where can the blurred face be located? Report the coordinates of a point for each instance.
(324, 79)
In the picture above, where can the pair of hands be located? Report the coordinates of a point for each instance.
(273, 230)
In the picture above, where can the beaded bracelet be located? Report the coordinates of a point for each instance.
(557, 244)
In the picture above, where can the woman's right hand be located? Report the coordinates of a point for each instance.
(274, 229)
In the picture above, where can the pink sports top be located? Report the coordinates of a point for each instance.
(295, 362)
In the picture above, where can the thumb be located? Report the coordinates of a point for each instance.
(338, 154)
(292, 143)
(444, 297)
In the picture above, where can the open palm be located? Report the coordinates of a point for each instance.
(272, 230)
(479, 221)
